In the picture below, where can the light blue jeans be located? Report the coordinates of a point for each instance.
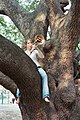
(44, 78)
(18, 95)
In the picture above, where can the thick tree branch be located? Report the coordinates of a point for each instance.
(2, 7)
(19, 67)
(64, 42)
(28, 23)
(6, 82)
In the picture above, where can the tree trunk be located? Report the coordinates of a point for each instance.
(59, 53)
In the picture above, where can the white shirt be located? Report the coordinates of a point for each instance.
(33, 56)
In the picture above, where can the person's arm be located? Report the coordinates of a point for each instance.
(39, 53)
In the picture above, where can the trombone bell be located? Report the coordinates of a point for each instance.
(39, 40)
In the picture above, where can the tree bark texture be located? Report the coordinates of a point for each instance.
(8, 83)
(59, 53)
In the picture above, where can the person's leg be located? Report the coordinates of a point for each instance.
(45, 88)
(17, 100)
(18, 96)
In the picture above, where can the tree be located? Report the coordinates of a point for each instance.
(10, 31)
(59, 55)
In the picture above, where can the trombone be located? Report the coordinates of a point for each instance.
(39, 40)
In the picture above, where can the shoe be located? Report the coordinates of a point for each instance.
(46, 99)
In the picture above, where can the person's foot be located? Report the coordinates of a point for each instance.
(17, 101)
(46, 99)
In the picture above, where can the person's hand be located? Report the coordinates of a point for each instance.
(34, 47)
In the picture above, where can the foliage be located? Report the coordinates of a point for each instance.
(10, 31)
(28, 5)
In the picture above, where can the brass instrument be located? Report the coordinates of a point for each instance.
(39, 40)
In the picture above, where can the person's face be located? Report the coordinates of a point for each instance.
(29, 44)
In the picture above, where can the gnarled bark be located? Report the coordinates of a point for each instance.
(58, 59)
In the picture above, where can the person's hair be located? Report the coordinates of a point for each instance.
(25, 43)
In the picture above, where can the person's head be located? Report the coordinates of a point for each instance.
(29, 44)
